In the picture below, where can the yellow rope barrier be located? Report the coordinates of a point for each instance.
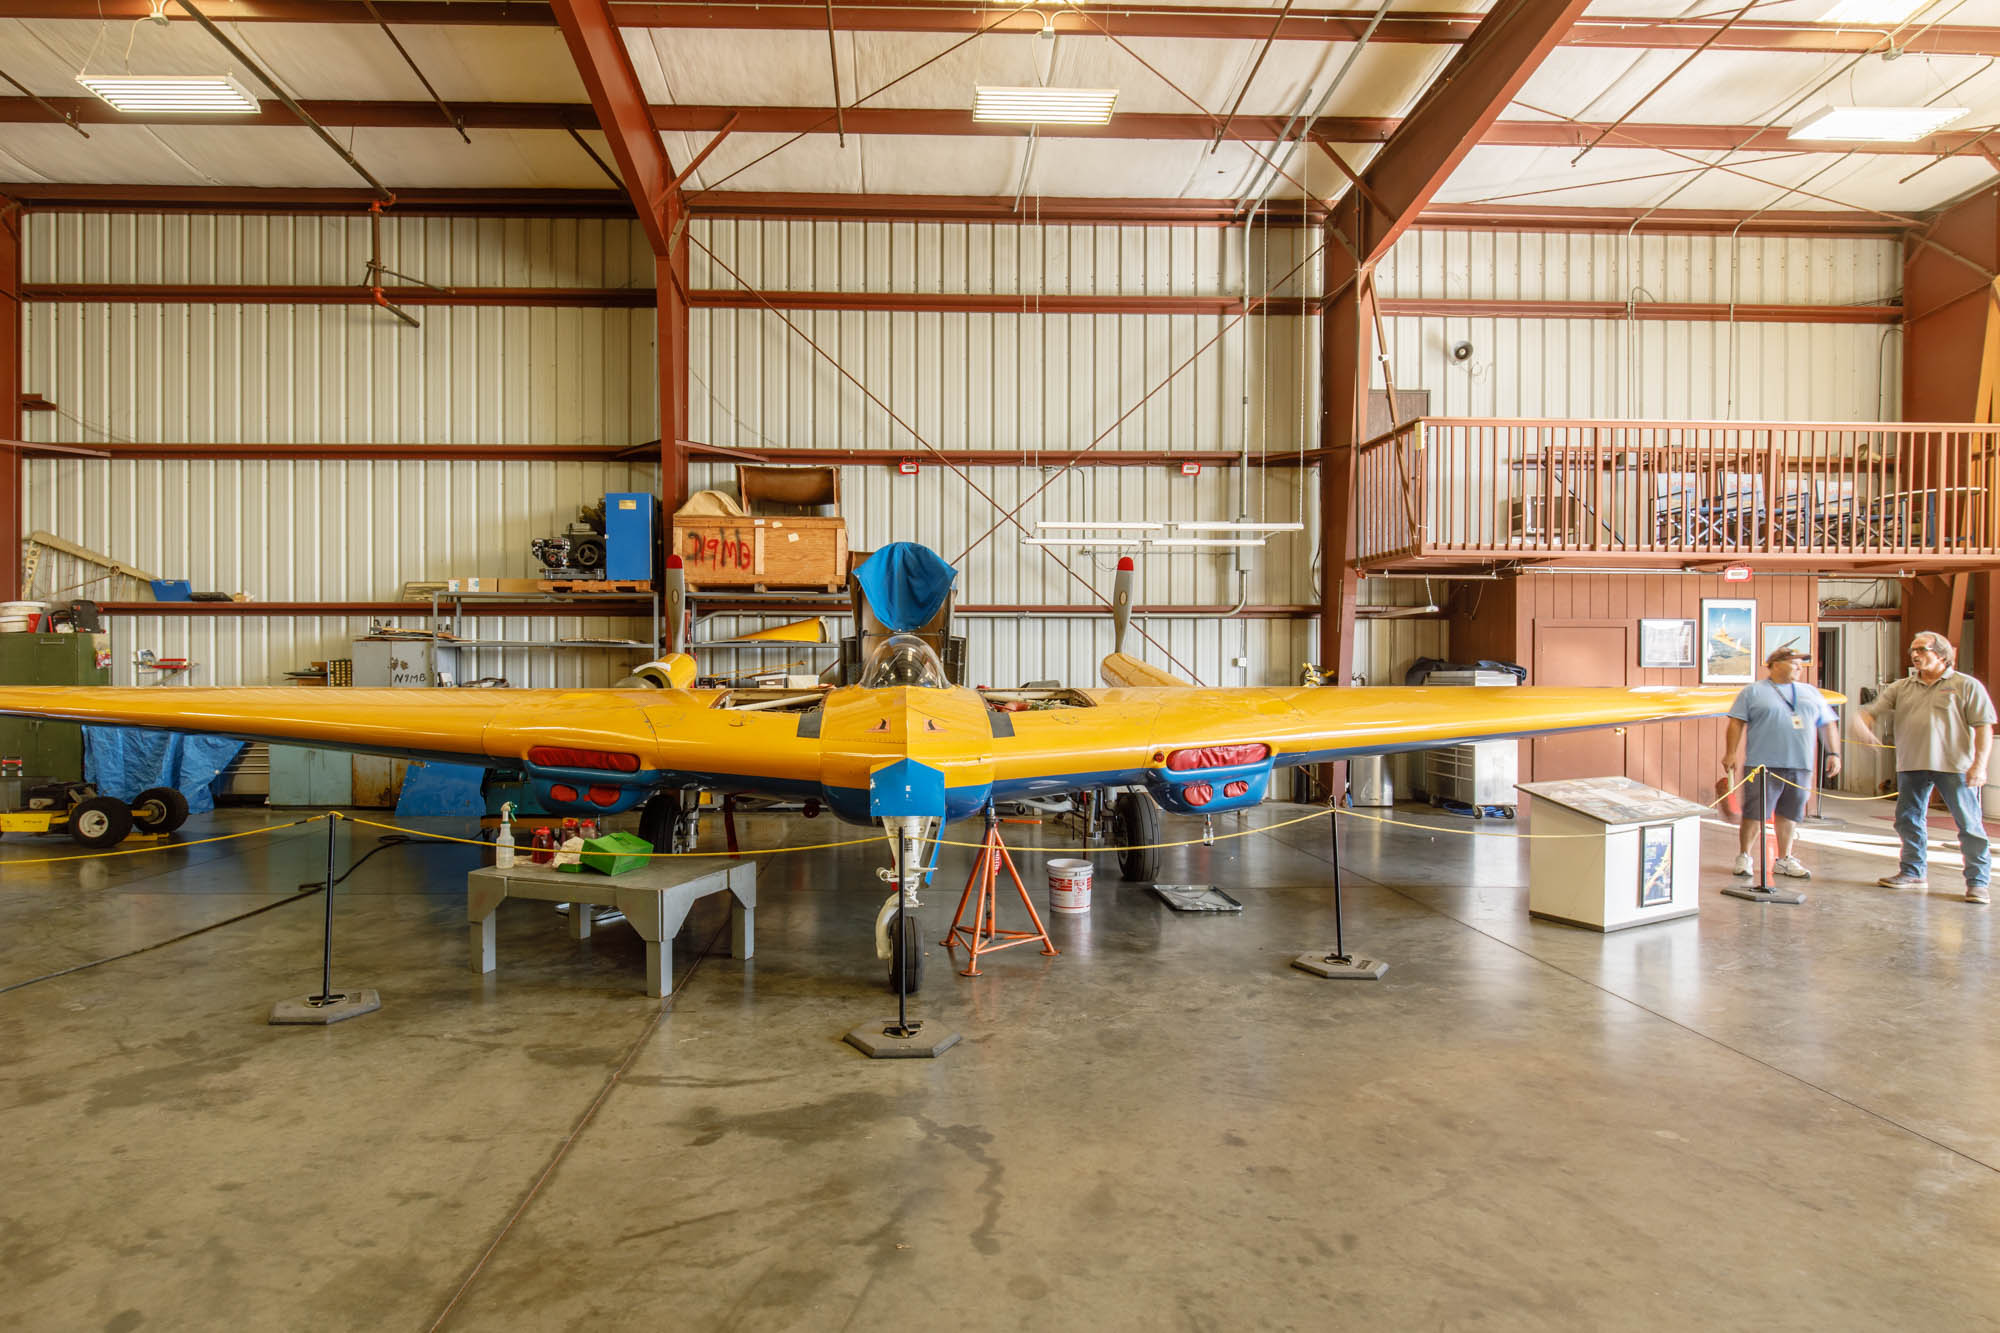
(523, 850)
(1144, 846)
(162, 847)
(1830, 796)
(857, 842)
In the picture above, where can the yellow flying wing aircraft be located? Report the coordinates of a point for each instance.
(903, 748)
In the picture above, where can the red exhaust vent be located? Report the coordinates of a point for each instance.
(562, 756)
(1217, 756)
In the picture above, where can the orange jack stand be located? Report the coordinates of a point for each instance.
(984, 934)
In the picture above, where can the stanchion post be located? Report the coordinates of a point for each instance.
(1337, 965)
(1754, 787)
(327, 1007)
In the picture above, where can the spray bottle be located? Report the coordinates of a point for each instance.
(503, 846)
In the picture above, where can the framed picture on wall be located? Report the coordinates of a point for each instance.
(1728, 641)
(1796, 637)
(1666, 643)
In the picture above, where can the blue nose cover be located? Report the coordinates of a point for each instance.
(904, 788)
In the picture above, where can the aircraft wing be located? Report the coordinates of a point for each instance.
(627, 738)
(1171, 739)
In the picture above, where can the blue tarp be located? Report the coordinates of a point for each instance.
(123, 761)
(906, 583)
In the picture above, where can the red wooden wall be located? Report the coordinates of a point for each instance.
(1499, 619)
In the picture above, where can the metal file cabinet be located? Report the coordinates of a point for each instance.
(50, 751)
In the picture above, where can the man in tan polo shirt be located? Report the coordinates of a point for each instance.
(1941, 723)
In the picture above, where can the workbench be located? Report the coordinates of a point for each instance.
(655, 901)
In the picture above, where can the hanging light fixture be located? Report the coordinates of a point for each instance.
(175, 94)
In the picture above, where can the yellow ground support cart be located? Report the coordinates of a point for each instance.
(92, 820)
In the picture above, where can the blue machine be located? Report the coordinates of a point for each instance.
(628, 535)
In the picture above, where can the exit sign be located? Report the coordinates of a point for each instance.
(1190, 469)
(1736, 574)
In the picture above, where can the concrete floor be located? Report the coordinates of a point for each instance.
(1760, 1117)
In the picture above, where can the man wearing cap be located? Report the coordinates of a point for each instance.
(1782, 717)
(1941, 723)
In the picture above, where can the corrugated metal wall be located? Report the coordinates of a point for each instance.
(1016, 381)
(328, 530)
(1646, 368)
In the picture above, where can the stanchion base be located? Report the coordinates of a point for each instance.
(1750, 893)
(879, 1041)
(335, 1008)
(1350, 968)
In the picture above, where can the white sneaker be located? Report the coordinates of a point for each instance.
(1790, 866)
(1744, 866)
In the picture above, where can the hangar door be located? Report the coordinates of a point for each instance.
(1579, 655)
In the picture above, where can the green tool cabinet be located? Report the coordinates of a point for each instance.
(50, 751)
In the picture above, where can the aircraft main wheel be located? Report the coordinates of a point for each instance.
(159, 810)
(910, 949)
(657, 818)
(100, 822)
(1135, 825)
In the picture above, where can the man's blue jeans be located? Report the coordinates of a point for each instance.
(1913, 798)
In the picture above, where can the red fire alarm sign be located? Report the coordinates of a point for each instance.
(1190, 469)
(907, 466)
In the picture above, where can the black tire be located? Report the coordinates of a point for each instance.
(911, 949)
(99, 822)
(657, 818)
(159, 810)
(1135, 826)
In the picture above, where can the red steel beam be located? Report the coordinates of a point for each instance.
(955, 303)
(636, 606)
(958, 122)
(926, 16)
(618, 102)
(996, 209)
(372, 453)
(1455, 111)
(10, 396)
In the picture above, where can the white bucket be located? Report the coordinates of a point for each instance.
(1069, 886)
(16, 617)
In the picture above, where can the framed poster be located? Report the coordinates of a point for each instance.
(1666, 643)
(1656, 865)
(1798, 637)
(1728, 641)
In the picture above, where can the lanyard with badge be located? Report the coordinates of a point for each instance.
(1798, 723)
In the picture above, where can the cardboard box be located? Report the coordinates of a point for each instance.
(517, 585)
(463, 585)
(763, 552)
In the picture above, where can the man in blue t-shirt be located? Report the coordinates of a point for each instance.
(1783, 716)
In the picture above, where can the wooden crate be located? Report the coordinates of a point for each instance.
(763, 552)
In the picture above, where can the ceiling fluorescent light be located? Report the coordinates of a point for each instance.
(1065, 106)
(1872, 11)
(1079, 541)
(1876, 124)
(1241, 527)
(1143, 527)
(1206, 543)
(193, 95)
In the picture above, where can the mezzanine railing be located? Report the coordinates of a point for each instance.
(1465, 492)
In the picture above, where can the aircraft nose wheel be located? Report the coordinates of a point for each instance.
(906, 955)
